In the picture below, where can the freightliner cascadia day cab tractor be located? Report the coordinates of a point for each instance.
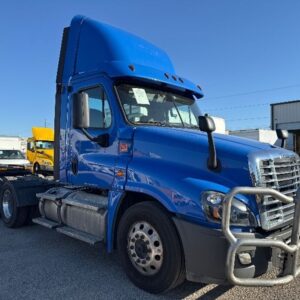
(138, 167)
(40, 150)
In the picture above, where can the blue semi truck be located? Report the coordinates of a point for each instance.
(138, 168)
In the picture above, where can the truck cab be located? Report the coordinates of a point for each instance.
(139, 168)
(40, 149)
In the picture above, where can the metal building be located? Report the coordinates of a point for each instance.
(286, 115)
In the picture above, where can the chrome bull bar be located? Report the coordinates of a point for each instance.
(291, 269)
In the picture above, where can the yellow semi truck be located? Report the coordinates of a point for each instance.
(40, 149)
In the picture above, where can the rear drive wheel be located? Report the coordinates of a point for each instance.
(12, 215)
(150, 249)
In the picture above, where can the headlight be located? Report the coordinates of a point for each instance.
(27, 166)
(212, 203)
(46, 162)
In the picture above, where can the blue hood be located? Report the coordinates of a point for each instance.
(189, 149)
(170, 164)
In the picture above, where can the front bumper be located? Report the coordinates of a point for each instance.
(14, 170)
(46, 168)
(211, 256)
(290, 268)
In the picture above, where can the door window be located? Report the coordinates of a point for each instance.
(99, 109)
(30, 146)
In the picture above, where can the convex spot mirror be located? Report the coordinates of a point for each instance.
(206, 123)
(81, 112)
(282, 134)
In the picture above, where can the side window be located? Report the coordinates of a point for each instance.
(100, 112)
(30, 146)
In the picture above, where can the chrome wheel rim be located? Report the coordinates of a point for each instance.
(145, 248)
(7, 204)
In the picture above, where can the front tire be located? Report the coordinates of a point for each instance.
(150, 248)
(12, 215)
(36, 168)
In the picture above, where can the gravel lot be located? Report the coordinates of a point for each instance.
(37, 263)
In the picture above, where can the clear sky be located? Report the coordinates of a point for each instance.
(244, 54)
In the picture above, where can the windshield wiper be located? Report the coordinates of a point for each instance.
(186, 125)
(160, 123)
(193, 126)
(177, 111)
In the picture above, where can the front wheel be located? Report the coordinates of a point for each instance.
(150, 249)
(36, 168)
(12, 215)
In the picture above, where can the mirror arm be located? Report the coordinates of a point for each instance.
(207, 124)
(87, 134)
(212, 160)
(102, 140)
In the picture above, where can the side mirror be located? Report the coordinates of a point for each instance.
(283, 136)
(207, 124)
(81, 112)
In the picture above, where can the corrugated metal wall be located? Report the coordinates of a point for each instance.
(286, 115)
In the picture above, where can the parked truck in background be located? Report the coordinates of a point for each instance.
(133, 171)
(12, 158)
(40, 149)
(13, 143)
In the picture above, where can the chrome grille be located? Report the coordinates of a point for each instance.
(283, 175)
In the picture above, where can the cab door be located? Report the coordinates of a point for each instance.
(30, 153)
(93, 150)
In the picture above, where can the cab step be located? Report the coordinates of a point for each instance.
(46, 223)
(79, 235)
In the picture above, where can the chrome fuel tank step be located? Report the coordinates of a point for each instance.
(46, 223)
(79, 235)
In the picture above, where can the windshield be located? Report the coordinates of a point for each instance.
(44, 145)
(11, 154)
(143, 105)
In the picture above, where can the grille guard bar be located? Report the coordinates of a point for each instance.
(291, 269)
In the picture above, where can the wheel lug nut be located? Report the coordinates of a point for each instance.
(148, 258)
(138, 261)
(133, 240)
(147, 242)
(131, 247)
(142, 237)
(143, 262)
(149, 250)
(133, 255)
(136, 236)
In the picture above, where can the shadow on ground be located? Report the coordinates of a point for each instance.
(37, 263)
